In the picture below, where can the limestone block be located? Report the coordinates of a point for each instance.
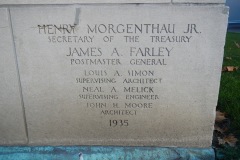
(78, 1)
(145, 75)
(12, 128)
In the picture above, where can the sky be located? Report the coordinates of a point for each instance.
(234, 10)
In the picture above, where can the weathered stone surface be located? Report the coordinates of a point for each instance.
(7, 2)
(12, 129)
(79, 1)
(95, 153)
(185, 81)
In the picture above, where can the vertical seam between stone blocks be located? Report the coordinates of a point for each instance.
(18, 74)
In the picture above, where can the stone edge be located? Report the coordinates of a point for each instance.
(100, 152)
(48, 2)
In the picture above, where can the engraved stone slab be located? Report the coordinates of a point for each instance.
(120, 74)
(12, 129)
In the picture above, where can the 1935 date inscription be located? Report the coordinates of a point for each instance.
(120, 123)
